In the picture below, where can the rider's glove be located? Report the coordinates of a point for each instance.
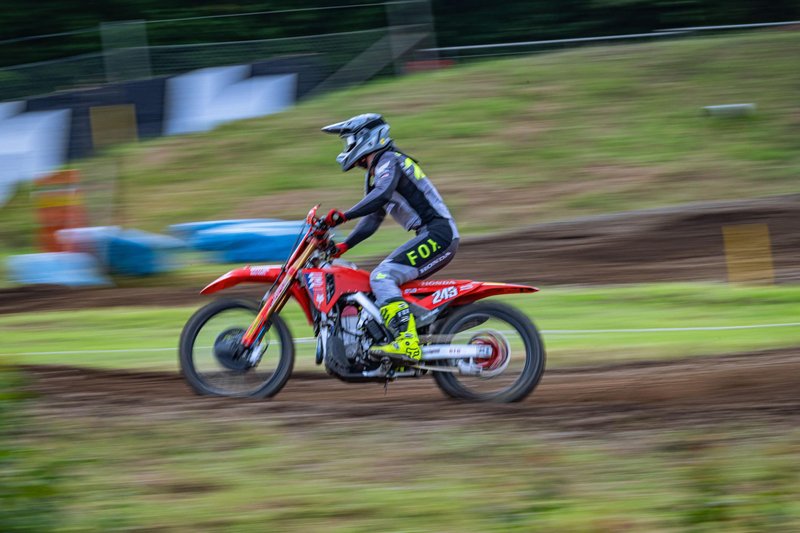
(339, 250)
(334, 218)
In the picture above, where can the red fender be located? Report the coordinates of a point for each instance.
(433, 293)
(248, 274)
(486, 289)
(259, 274)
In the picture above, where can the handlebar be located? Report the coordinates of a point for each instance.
(320, 230)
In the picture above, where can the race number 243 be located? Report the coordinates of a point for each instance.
(444, 294)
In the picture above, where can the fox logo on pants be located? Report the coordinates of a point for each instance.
(423, 251)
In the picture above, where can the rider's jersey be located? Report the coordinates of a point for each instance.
(401, 189)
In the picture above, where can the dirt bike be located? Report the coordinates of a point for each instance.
(475, 350)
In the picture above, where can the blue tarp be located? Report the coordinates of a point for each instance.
(248, 240)
(130, 252)
(187, 229)
(138, 253)
(56, 268)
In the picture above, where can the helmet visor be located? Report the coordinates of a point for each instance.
(349, 142)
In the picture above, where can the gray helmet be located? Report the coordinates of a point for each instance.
(362, 134)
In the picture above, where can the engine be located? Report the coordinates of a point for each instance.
(351, 336)
(348, 347)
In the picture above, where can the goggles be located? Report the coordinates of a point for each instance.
(349, 142)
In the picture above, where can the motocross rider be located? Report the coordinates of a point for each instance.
(394, 184)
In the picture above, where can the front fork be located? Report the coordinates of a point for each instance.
(253, 337)
(260, 325)
(275, 301)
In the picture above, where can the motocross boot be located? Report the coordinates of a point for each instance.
(400, 320)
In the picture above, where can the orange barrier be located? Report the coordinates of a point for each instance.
(59, 205)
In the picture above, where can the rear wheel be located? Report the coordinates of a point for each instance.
(213, 361)
(517, 361)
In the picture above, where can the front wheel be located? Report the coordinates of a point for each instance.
(515, 369)
(213, 362)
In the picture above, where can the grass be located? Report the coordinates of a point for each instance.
(589, 130)
(217, 475)
(151, 334)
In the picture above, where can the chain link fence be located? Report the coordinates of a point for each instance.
(87, 70)
(331, 53)
(126, 54)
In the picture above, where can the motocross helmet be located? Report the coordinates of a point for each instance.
(362, 135)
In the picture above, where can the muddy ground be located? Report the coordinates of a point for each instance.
(752, 390)
(672, 244)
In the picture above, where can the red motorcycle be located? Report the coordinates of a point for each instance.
(475, 350)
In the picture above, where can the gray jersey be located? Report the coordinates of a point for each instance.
(401, 189)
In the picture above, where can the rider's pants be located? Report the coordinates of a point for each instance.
(430, 251)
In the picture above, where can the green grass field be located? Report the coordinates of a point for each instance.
(196, 475)
(148, 337)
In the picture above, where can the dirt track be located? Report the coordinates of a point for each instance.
(745, 390)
